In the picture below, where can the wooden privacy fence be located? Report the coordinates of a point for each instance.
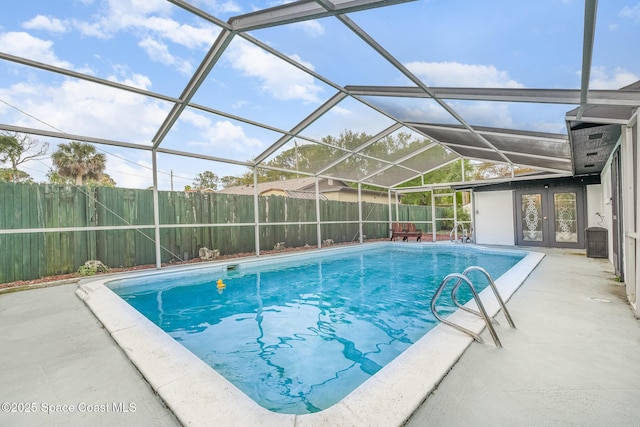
(47, 229)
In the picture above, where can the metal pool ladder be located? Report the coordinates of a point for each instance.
(463, 278)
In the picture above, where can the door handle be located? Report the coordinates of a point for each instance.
(544, 217)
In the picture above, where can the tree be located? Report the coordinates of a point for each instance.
(10, 175)
(498, 170)
(309, 157)
(206, 179)
(79, 161)
(106, 181)
(16, 149)
(230, 181)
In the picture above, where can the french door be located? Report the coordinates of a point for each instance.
(552, 217)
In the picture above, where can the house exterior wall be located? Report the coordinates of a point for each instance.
(605, 178)
(630, 208)
(349, 196)
(494, 218)
(595, 205)
(274, 192)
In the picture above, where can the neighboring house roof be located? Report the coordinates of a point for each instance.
(301, 188)
(304, 195)
(299, 184)
(201, 190)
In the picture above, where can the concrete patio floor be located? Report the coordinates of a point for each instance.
(574, 360)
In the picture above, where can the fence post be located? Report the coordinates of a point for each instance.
(318, 225)
(256, 213)
(360, 211)
(156, 208)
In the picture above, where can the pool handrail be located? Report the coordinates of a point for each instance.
(483, 313)
(494, 288)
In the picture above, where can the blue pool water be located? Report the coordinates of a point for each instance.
(298, 335)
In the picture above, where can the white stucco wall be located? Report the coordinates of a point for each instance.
(494, 224)
(595, 205)
(605, 179)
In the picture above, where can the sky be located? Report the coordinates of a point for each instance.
(156, 46)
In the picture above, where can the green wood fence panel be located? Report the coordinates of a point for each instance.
(32, 255)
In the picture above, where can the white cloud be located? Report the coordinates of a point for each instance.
(279, 79)
(129, 174)
(603, 78)
(122, 75)
(239, 104)
(182, 34)
(461, 75)
(151, 24)
(425, 113)
(219, 136)
(80, 107)
(89, 29)
(41, 22)
(83, 108)
(25, 45)
(219, 7)
(159, 52)
(632, 12)
(487, 113)
(144, 18)
(341, 111)
(311, 28)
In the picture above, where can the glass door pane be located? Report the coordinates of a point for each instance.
(531, 205)
(566, 217)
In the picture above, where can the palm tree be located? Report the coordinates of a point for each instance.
(79, 161)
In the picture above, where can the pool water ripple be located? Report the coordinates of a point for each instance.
(299, 336)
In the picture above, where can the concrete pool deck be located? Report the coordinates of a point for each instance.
(572, 361)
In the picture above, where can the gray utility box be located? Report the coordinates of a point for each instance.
(597, 242)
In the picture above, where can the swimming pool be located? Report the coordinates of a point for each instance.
(300, 335)
(129, 329)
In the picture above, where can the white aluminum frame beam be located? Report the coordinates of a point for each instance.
(590, 8)
(540, 96)
(213, 55)
(77, 75)
(307, 121)
(303, 10)
(405, 71)
(373, 140)
(73, 137)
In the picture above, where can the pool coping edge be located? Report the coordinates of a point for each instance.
(198, 395)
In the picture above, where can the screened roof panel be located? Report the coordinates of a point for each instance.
(355, 168)
(397, 145)
(604, 113)
(544, 163)
(476, 153)
(344, 47)
(450, 134)
(211, 135)
(304, 156)
(527, 116)
(411, 109)
(538, 142)
(173, 179)
(238, 84)
(253, 83)
(482, 44)
(348, 115)
(390, 176)
(91, 109)
(429, 159)
(159, 45)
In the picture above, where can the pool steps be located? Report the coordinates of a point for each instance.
(481, 312)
